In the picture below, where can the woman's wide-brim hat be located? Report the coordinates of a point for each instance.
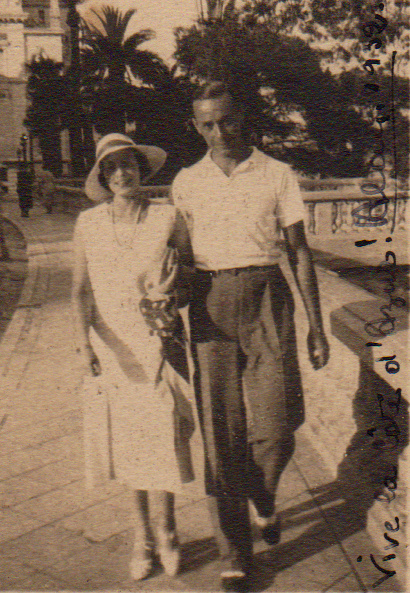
(112, 143)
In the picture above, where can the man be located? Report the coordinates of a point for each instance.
(236, 200)
(24, 189)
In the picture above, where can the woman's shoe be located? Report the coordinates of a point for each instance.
(168, 550)
(142, 561)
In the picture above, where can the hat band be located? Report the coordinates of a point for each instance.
(117, 144)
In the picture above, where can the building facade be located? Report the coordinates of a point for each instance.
(28, 28)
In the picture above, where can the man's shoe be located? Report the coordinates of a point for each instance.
(269, 526)
(235, 582)
(271, 532)
(236, 576)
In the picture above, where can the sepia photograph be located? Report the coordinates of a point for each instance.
(204, 287)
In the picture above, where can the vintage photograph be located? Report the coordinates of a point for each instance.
(204, 280)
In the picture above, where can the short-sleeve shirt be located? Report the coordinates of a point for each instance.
(235, 221)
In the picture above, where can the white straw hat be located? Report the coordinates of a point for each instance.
(109, 144)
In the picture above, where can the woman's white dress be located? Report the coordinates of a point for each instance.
(128, 409)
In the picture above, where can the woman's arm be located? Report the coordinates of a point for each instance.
(82, 303)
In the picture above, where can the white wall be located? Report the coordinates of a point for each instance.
(13, 50)
(41, 41)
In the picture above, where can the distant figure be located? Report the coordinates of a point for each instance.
(25, 189)
(46, 189)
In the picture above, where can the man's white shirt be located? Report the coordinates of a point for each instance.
(235, 221)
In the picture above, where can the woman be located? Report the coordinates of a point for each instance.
(133, 394)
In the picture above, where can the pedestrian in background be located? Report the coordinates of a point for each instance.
(45, 188)
(25, 189)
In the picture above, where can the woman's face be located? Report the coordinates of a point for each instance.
(122, 173)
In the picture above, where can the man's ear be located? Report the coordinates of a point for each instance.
(195, 124)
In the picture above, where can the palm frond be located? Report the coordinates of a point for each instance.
(140, 37)
(114, 22)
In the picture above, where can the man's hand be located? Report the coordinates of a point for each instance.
(318, 349)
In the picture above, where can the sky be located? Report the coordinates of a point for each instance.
(163, 16)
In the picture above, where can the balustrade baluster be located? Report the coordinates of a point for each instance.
(344, 215)
(311, 217)
(335, 217)
(401, 214)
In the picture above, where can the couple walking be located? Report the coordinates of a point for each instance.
(217, 246)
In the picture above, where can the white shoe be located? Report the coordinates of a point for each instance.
(142, 561)
(168, 550)
(269, 526)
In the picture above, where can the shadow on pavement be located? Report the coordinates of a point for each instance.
(339, 509)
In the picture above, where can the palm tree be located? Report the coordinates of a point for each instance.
(112, 62)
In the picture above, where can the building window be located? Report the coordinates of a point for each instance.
(41, 16)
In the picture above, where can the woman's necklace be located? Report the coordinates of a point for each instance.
(125, 238)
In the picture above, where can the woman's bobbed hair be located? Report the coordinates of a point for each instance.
(143, 166)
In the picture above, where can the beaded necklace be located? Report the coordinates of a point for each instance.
(123, 240)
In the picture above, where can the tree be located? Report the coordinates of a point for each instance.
(112, 64)
(339, 32)
(46, 89)
(303, 111)
(336, 28)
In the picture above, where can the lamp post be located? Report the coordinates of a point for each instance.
(75, 128)
(23, 144)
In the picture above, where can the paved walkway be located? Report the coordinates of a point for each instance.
(54, 535)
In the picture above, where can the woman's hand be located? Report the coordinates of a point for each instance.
(90, 359)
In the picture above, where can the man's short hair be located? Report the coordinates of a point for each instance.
(215, 89)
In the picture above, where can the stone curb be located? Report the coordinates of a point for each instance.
(21, 325)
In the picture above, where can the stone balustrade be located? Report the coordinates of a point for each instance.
(328, 212)
(331, 213)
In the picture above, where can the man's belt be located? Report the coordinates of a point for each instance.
(236, 271)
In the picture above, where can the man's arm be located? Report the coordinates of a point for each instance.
(181, 241)
(300, 259)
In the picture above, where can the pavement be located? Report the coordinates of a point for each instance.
(55, 535)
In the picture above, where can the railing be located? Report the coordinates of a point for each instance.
(328, 212)
(71, 195)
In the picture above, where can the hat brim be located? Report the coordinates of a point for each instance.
(97, 193)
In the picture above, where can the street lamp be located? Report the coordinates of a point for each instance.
(23, 144)
(75, 127)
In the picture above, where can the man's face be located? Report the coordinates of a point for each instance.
(219, 122)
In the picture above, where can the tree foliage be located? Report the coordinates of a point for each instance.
(124, 86)
(46, 114)
(112, 65)
(274, 54)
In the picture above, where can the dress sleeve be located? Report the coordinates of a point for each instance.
(179, 192)
(180, 198)
(181, 241)
(290, 206)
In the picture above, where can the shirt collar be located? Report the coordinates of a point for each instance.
(243, 166)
